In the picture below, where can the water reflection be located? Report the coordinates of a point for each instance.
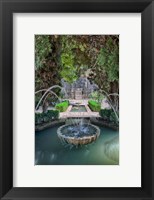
(112, 149)
(50, 151)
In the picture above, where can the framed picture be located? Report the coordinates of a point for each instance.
(76, 99)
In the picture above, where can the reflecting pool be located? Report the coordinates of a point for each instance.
(50, 151)
(79, 108)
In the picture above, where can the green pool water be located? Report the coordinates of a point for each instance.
(50, 151)
(78, 109)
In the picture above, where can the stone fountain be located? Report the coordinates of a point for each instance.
(78, 134)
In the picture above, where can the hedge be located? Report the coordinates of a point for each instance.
(95, 106)
(62, 107)
(50, 115)
(108, 115)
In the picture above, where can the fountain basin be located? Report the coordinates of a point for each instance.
(78, 134)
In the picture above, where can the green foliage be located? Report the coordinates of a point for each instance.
(50, 115)
(72, 58)
(68, 72)
(108, 59)
(104, 70)
(105, 113)
(48, 74)
(42, 49)
(62, 107)
(113, 117)
(95, 106)
(37, 98)
(108, 115)
(96, 96)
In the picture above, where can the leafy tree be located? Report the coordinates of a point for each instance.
(105, 71)
(42, 49)
(108, 59)
(47, 51)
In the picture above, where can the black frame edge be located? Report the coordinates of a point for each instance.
(6, 98)
(69, 6)
(152, 98)
(146, 122)
(6, 104)
(1, 181)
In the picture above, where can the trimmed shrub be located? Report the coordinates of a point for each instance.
(37, 98)
(105, 113)
(62, 107)
(53, 114)
(108, 115)
(95, 106)
(50, 115)
(113, 117)
(38, 118)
